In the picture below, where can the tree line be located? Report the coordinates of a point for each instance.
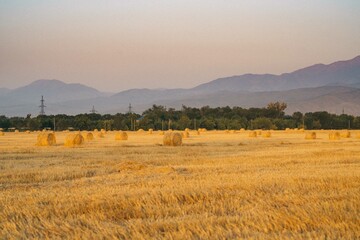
(161, 118)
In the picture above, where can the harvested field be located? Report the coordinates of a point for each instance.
(215, 185)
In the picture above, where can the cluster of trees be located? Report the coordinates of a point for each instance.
(161, 118)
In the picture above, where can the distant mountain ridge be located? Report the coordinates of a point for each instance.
(334, 88)
(342, 73)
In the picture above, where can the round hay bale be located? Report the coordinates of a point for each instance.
(187, 130)
(172, 139)
(16, 131)
(253, 134)
(88, 136)
(266, 134)
(185, 134)
(46, 139)
(232, 131)
(198, 132)
(310, 135)
(73, 139)
(96, 130)
(2, 133)
(345, 134)
(161, 133)
(150, 131)
(334, 136)
(259, 132)
(100, 135)
(121, 135)
(27, 132)
(242, 129)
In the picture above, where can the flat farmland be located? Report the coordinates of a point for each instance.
(216, 185)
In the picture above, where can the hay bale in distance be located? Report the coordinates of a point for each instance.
(121, 135)
(88, 136)
(358, 135)
(100, 135)
(2, 133)
(266, 134)
(253, 134)
(73, 139)
(334, 136)
(185, 134)
(345, 134)
(172, 139)
(16, 131)
(310, 135)
(46, 139)
(161, 133)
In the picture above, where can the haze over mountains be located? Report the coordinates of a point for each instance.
(334, 88)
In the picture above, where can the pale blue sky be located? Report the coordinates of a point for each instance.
(116, 45)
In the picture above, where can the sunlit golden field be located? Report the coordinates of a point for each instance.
(216, 185)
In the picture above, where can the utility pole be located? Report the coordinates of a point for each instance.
(130, 108)
(42, 106)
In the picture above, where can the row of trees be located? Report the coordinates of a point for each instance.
(161, 118)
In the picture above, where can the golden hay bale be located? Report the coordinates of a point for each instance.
(187, 130)
(88, 136)
(95, 130)
(121, 135)
(266, 134)
(27, 131)
(227, 131)
(358, 135)
(172, 139)
(302, 130)
(310, 135)
(198, 132)
(100, 135)
(185, 134)
(259, 132)
(73, 139)
(46, 139)
(150, 131)
(232, 131)
(161, 133)
(287, 129)
(2, 133)
(345, 134)
(16, 131)
(242, 129)
(334, 136)
(252, 134)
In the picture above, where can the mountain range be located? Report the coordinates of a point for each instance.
(334, 88)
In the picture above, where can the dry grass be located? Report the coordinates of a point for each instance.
(214, 186)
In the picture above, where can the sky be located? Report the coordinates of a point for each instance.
(115, 45)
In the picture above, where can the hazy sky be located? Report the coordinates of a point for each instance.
(121, 44)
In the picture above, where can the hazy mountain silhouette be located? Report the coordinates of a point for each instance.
(342, 73)
(334, 88)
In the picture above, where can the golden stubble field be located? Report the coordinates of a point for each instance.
(217, 185)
